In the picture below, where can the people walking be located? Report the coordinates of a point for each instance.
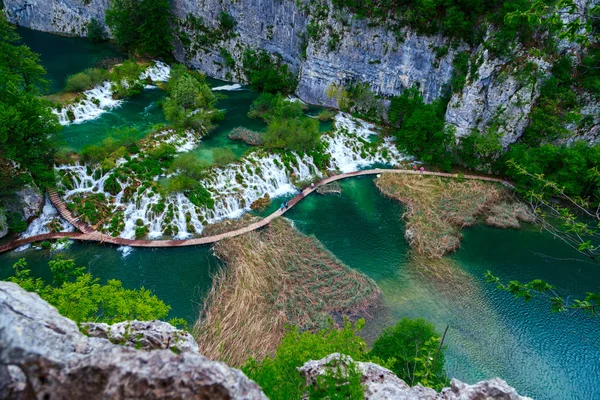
(422, 169)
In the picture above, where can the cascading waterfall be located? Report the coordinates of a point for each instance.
(95, 102)
(99, 100)
(233, 187)
(40, 225)
(349, 149)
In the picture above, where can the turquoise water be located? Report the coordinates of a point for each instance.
(543, 355)
(63, 56)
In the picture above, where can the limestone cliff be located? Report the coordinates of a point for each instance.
(326, 45)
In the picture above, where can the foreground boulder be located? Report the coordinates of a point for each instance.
(43, 355)
(380, 383)
(144, 335)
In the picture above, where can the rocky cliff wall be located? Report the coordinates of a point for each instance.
(328, 46)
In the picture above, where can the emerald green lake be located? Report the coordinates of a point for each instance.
(543, 355)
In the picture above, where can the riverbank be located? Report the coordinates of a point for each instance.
(291, 278)
(439, 208)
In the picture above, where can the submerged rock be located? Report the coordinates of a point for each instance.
(144, 335)
(246, 135)
(43, 355)
(330, 188)
(380, 383)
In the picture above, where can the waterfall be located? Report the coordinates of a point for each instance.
(39, 225)
(95, 102)
(99, 100)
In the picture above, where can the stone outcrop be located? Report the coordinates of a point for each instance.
(381, 384)
(43, 355)
(3, 223)
(30, 201)
(144, 335)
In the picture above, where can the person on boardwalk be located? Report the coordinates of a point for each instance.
(422, 169)
(282, 205)
(312, 185)
(415, 167)
(286, 204)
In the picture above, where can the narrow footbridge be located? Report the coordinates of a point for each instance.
(89, 234)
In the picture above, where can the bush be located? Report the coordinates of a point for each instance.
(78, 82)
(277, 375)
(95, 31)
(266, 74)
(357, 98)
(298, 134)
(189, 165)
(142, 26)
(269, 106)
(223, 156)
(126, 79)
(15, 222)
(411, 347)
(191, 103)
(226, 21)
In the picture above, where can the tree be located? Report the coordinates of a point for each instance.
(191, 103)
(142, 26)
(297, 134)
(268, 74)
(79, 296)
(28, 128)
(412, 347)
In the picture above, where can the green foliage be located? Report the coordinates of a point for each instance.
(460, 65)
(226, 21)
(411, 348)
(142, 26)
(537, 287)
(223, 156)
(95, 31)
(570, 166)
(190, 104)
(277, 375)
(85, 80)
(268, 74)
(478, 149)
(339, 382)
(358, 99)
(80, 297)
(28, 128)
(298, 134)
(126, 79)
(422, 132)
(189, 165)
(15, 222)
(270, 106)
(111, 148)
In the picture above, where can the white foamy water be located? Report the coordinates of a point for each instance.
(228, 88)
(39, 225)
(157, 72)
(99, 100)
(96, 102)
(351, 150)
(233, 187)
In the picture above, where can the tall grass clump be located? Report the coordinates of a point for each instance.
(274, 278)
(85, 80)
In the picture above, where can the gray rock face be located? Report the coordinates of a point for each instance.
(144, 335)
(3, 223)
(495, 100)
(65, 17)
(28, 202)
(61, 363)
(381, 383)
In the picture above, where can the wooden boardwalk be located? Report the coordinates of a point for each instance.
(87, 233)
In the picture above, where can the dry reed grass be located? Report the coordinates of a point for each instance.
(438, 208)
(275, 277)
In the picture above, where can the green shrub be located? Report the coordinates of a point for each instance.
(78, 82)
(126, 79)
(269, 106)
(223, 156)
(15, 222)
(277, 375)
(411, 347)
(95, 31)
(226, 21)
(298, 134)
(268, 74)
(189, 165)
